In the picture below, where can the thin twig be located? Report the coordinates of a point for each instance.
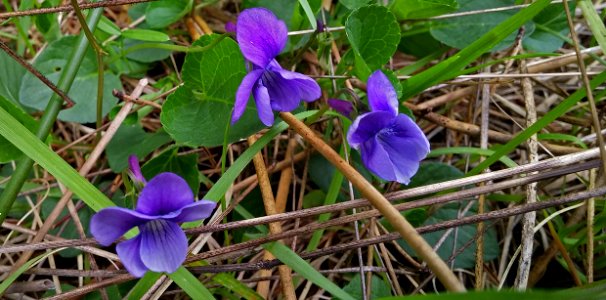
(529, 219)
(68, 8)
(69, 102)
(587, 85)
(270, 209)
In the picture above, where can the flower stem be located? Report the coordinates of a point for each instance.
(407, 231)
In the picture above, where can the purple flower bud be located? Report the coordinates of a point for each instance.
(262, 36)
(135, 169)
(391, 144)
(161, 245)
(342, 106)
(230, 27)
(320, 26)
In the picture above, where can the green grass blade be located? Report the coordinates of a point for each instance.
(295, 262)
(309, 13)
(471, 150)
(190, 284)
(31, 146)
(594, 21)
(556, 112)
(143, 285)
(451, 67)
(562, 137)
(236, 286)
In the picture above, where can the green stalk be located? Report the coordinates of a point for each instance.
(47, 121)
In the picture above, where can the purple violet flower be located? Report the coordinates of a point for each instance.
(161, 245)
(262, 36)
(391, 144)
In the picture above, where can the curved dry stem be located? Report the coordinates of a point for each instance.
(407, 231)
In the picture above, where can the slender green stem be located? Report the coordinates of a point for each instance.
(99, 53)
(24, 165)
(169, 47)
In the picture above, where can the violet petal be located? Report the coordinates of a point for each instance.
(381, 94)
(261, 35)
(163, 246)
(193, 212)
(376, 159)
(406, 145)
(110, 223)
(243, 93)
(164, 194)
(366, 126)
(129, 253)
(307, 88)
(263, 103)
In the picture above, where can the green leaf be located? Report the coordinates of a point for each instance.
(145, 35)
(354, 4)
(449, 68)
(10, 152)
(462, 31)
(421, 9)
(132, 140)
(145, 55)
(465, 259)
(295, 262)
(50, 63)
(160, 14)
(107, 26)
(11, 74)
(48, 24)
(434, 172)
(551, 19)
(185, 166)
(198, 113)
(379, 288)
(374, 35)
